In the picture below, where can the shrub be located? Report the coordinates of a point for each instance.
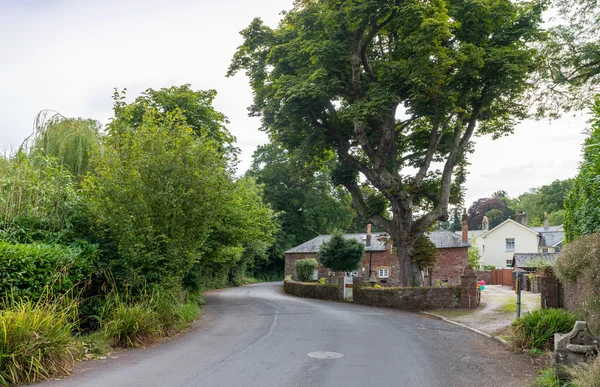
(172, 315)
(28, 270)
(341, 254)
(547, 378)
(305, 268)
(579, 265)
(535, 330)
(36, 341)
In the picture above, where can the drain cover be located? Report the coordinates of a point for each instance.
(325, 355)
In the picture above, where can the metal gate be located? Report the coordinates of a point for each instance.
(348, 286)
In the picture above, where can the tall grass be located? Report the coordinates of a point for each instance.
(140, 323)
(36, 341)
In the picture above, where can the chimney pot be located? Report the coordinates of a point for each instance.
(369, 234)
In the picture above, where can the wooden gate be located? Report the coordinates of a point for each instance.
(502, 277)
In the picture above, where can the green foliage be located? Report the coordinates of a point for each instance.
(579, 264)
(341, 254)
(583, 203)
(548, 198)
(132, 325)
(333, 77)
(195, 107)
(157, 194)
(305, 269)
(424, 253)
(32, 270)
(36, 341)
(495, 217)
(535, 330)
(570, 58)
(480, 208)
(37, 198)
(539, 263)
(547, 377)
(69, 141)
(306, 202)
(474, 257)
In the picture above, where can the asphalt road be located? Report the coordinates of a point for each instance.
(257, 336)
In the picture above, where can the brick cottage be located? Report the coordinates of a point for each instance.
(381, 263)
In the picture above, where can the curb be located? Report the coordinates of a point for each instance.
(496, 338)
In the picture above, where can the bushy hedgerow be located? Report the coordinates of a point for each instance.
(30, 270)
(578, 268)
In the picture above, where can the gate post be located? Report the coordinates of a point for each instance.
(468, 288)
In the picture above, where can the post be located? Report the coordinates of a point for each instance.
(518, 291)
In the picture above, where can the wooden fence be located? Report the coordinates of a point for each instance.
(502, 277)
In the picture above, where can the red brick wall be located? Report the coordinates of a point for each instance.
(379, 259)
(450, 265)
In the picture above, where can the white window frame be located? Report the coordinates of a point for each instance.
(506, 244)
(544, 249)
(384, 270)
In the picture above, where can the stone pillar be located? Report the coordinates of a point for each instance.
(549, 290)
(468, 289)
(340, 289)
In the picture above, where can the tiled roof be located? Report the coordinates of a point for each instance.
(520, 259)
(441, 239)
(552, 238)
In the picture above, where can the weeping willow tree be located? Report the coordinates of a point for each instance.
(69, 141)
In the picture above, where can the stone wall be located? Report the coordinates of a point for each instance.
(449, 265)
(484, 275)
(315, 290)
(411, 299)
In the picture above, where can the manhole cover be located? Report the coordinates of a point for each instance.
(325, 355)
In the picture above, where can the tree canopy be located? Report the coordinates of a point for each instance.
(569, 76)
(391, 88)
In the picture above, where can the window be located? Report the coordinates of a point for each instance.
(544, 249)
(510, 244)
(384, 273)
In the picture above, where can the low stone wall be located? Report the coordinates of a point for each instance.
(484, 275)
(411, 299)
(315, 290)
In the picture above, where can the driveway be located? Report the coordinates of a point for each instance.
(256, 336)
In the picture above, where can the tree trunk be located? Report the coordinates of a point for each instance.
(410, 274)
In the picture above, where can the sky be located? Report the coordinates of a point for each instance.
(69, 56)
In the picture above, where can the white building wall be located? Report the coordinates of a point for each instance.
(492, 245)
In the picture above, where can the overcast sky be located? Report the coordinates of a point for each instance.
(69, 55)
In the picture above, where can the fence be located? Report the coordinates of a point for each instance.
(502, 277)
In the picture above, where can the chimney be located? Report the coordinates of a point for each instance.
(523, 219)
(545, 220)
(485, 224)
(368, 234)
(465, 226)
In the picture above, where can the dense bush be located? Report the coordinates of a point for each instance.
(578, 265)
(29, 270)
(341, 254)
(36, 341)
(586, 375)
(582, 215)
(305, 269)
(535, 330)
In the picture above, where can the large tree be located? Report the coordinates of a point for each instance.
(481, 207)
(570, 73)
(396, 89)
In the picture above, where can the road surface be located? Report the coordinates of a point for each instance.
(257, 336)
